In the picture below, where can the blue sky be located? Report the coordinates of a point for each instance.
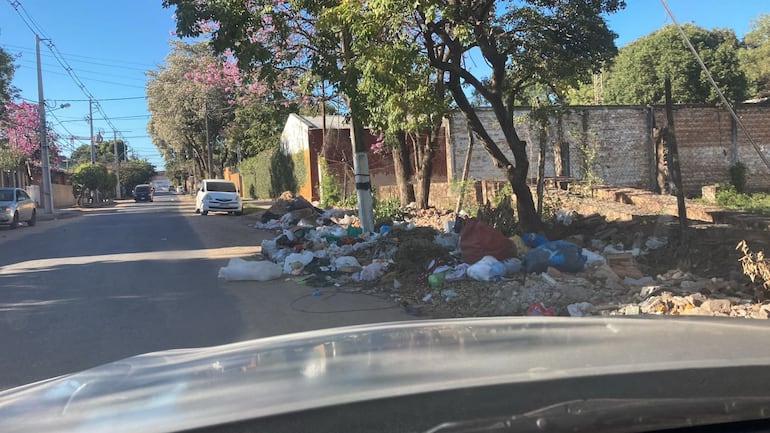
(111, 44)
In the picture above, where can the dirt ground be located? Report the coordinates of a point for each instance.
(697, 264)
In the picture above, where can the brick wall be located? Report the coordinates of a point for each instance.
(709, 142)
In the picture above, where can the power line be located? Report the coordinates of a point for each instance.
(119, 63)
(38, 31)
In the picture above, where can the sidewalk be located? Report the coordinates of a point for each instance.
(58, 214)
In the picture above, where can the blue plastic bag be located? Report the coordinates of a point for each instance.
(533, 240)
(562, 255)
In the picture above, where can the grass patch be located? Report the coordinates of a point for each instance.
(730, 198)
(252, 208)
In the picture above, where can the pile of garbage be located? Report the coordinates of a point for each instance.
(470, 268)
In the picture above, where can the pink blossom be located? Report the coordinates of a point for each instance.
(21, 129)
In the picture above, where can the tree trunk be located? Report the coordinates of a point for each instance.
(516, 174)
(542, 141)
(401, 168)
(425, 169)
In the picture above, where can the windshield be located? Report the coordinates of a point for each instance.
(222, 184)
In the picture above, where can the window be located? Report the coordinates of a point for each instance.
(220, 186)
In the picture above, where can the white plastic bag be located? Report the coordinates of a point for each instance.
(457, 273)
(269, 248)
(486, 269)
(347, 264)
(296, 262)
(241, 270)
(580, 309)
(374, 270)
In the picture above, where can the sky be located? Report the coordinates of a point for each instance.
(110, 45)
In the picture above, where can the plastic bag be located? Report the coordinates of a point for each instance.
(534, 240)
(580, 309)
(269, 248)
(562, 255)
(479, 239)
(347, 264)
(512, 266)
(241, 270)
(447, 241)
(373, 271)
(486, 269)
(296, 262)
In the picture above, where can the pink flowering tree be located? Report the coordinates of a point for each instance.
(192, 99)
(20, 132)
(299, 46)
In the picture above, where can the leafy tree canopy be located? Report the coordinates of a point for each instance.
(135, 172)
(638, 73)
(755, 56)
(104, 152)
(7, 68)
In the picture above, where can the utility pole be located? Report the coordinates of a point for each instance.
(117, 162)
(91, 124)
(208, 140)
(46, 190)
(240, 173)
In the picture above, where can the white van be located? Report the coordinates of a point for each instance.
(218, 195)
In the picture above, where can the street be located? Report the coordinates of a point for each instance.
(141, 277)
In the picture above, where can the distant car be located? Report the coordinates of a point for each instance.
(143, 192)
(180, 189)
(218, 195)
(15, 206)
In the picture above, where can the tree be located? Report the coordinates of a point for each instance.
(190, 100)
(524, 43)
(7, 91)
(20, 130)
(640, 68)
(755, 56)
(405, 97)
(257, 126)
(135, 172)
(293, 45)
(104, 152)
(92, 177)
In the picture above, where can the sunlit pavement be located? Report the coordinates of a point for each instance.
(139, 277)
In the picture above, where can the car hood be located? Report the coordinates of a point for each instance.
(188, 388)
(7, 203)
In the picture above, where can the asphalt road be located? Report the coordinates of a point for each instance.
(141, 277)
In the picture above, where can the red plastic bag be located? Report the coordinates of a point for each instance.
(479, 239)
(538, 309)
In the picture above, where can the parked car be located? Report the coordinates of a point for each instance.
(218, 195)
(15, 206)
(143, 192)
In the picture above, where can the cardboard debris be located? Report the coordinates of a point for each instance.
(624, 265)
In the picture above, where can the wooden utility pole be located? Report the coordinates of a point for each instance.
(673, 158)
(466, 169)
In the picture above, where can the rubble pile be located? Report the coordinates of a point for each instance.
(457, 267)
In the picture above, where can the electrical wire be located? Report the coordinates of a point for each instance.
(334, 293)
(48, 42)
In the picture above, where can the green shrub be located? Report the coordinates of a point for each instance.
(270, 173)
(729, 197)
(738, 176)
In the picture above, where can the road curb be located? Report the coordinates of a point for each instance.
(59, 215)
